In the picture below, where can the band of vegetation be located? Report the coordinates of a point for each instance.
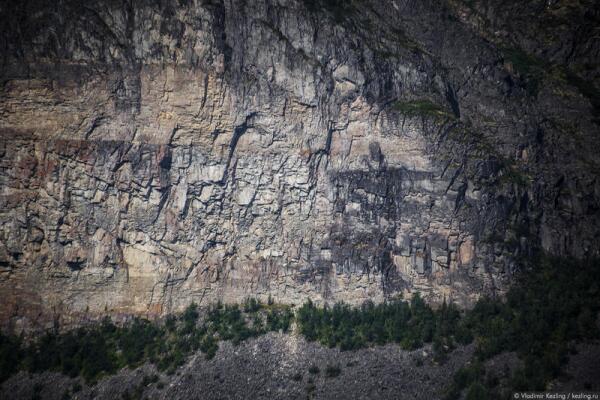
(553, 305)
(103, 349)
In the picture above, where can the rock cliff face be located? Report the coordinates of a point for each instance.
(154, 153)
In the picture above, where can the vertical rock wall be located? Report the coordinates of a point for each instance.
(158, 153)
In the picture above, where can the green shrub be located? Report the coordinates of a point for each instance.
(189, 318)
(340, 10)
(421, 108)
(171, 323)
(251, 305)
(531, 69)
(297, 377)
(209, 347)
(477, 391)
(332, 371)
(149, 379)
(279, 320)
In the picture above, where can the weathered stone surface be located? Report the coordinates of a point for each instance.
(154, 154)
(271, 366)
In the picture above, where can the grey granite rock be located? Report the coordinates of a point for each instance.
(158, 153)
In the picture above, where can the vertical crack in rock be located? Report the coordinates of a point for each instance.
(238, 132)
